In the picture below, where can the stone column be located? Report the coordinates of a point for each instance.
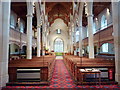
(116, 30)
(46, 40)
(38, 41)
(38, 28)
(75, 41)
(4, 41)
(80, 41)
(71, 43)
(48, 44)
(71, 40)
(90, 29)
(43, 39)
(80, 28)
(29, 30)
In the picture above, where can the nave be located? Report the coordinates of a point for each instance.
(61, 78)
(85, 33)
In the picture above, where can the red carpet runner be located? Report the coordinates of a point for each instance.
(62, 79)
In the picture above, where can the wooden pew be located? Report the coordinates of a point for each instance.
(74, 63)
(45, 64)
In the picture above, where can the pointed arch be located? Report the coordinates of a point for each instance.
(58, 45)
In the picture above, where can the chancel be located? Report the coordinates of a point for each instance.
(59, 44)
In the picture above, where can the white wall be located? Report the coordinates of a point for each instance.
(58, 24)
(84, 32)
(110, 49)
(15, 34)
(108, 16)
(13, 48)
(98, 21)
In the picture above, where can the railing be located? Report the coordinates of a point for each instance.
(102, 28)
(15, 35)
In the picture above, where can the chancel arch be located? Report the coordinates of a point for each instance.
(58, 25)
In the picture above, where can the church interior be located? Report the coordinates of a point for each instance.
(57, 44)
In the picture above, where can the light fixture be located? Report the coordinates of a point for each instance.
(47, 33)
(108, 10)
(18, 22)
(41, 23)
(76, 20)
(96, 19)
(85, 4)
(86, 11)
(33, 4)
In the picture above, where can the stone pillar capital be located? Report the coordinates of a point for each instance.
(90, 15)
(79, 26)
(29, 15)
(38, 26)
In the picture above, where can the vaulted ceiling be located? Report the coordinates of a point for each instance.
(20, 8)
(98, 7)
(56, 10)
(61, 10)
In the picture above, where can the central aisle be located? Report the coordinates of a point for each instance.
(61, 77)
